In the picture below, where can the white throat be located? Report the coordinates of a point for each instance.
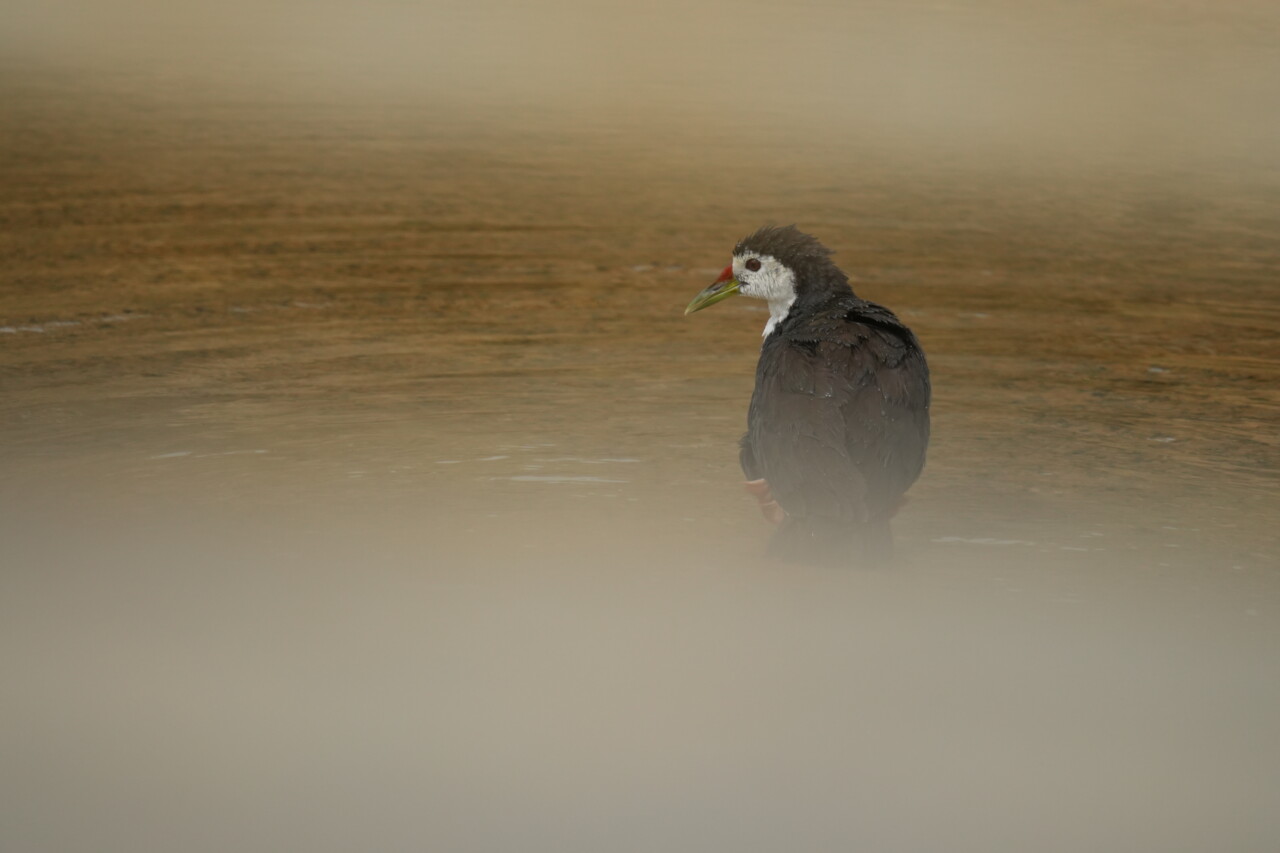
(778, 311)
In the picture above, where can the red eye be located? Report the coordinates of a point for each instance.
(753, 264)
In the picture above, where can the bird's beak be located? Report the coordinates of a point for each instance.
(723, 287)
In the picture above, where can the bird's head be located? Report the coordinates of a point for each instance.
(778, 265)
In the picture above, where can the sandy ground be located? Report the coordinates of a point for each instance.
(364, 487)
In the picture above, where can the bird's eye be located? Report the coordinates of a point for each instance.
(753, 264)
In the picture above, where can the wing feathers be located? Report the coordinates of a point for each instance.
(839, 420)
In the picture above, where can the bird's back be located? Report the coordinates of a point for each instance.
(839, 420)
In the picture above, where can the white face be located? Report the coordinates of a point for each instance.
(764, 277)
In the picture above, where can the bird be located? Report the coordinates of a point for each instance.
(838, 423)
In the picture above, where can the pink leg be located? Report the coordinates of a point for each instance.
(759, 489)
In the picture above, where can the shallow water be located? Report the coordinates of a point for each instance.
(364, 485)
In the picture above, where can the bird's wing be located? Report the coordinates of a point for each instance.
(886, 413)
(840, 420)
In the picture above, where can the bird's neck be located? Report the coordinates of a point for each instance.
(778, 311)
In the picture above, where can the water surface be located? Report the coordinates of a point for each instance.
(364, 485)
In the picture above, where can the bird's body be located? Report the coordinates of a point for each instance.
(839, 419)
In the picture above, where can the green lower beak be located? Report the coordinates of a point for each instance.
(717, 292)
